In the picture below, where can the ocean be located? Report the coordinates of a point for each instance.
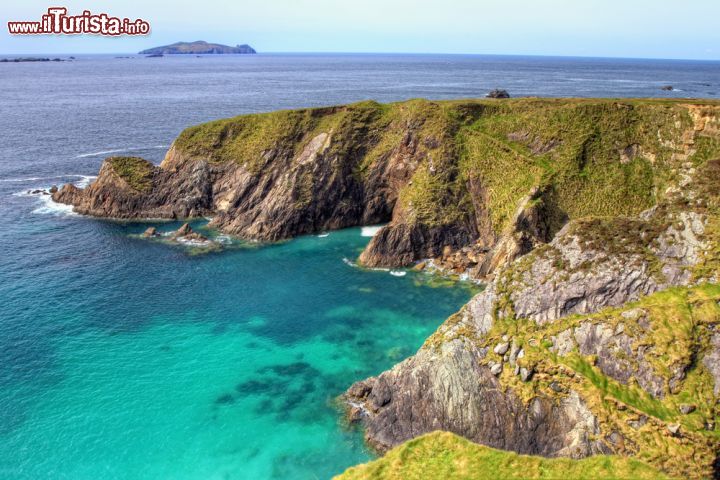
(124, 358)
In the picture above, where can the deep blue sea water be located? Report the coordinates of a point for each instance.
(125, 358)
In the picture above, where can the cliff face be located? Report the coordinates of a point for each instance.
(470, 184)
(538, 363)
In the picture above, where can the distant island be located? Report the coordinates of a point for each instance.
(197, 48)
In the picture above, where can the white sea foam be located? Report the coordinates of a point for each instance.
(191, 242)
(347, 261)
(323, 235)
(84, 181)
(397, 273)
(370, 231)
(224, 239)
(49, 207)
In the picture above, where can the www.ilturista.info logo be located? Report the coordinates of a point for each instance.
(57, 21)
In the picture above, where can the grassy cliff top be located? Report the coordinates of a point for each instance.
(600, 157)
(444, 455)
(135, 171)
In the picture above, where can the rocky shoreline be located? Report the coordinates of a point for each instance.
(582, 216)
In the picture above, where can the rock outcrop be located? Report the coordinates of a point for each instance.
(438, 173)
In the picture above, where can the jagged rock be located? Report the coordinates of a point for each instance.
(150, 232)
(53, 189)
(687, 408)
(673, 428)
(183, 231)
(417, 393)
(496, 369)
(526, 374)
(667, 88)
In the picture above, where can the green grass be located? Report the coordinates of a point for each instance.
(588, 157)
(443, 455)
(135, 171)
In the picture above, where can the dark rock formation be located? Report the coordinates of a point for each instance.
(498, 93)
(198, 47)
(667, 88)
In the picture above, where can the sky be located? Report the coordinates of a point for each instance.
(605, 28)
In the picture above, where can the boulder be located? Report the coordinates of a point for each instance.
(498, 93)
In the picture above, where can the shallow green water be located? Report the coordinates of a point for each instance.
(135, 359)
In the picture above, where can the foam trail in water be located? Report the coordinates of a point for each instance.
(370, 231)
(323, 235)
(347, 261)
(105, 152)
(29, 179)
(397, 273)
(35, 179)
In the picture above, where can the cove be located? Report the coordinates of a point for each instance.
(151, 362)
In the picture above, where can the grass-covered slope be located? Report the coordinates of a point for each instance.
(454, 173)
(135, 171)
(443, 455)
(602, 157)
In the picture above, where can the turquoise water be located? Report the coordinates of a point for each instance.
(122, 358)
(140, 359)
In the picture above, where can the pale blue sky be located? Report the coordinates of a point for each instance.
(616, 28)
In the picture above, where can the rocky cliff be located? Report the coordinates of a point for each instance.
(469, 184)
(596, 224)
(555, 359)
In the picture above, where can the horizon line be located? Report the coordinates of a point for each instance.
(278, 52)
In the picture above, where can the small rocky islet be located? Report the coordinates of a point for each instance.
(594, 224)
(198, 47)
